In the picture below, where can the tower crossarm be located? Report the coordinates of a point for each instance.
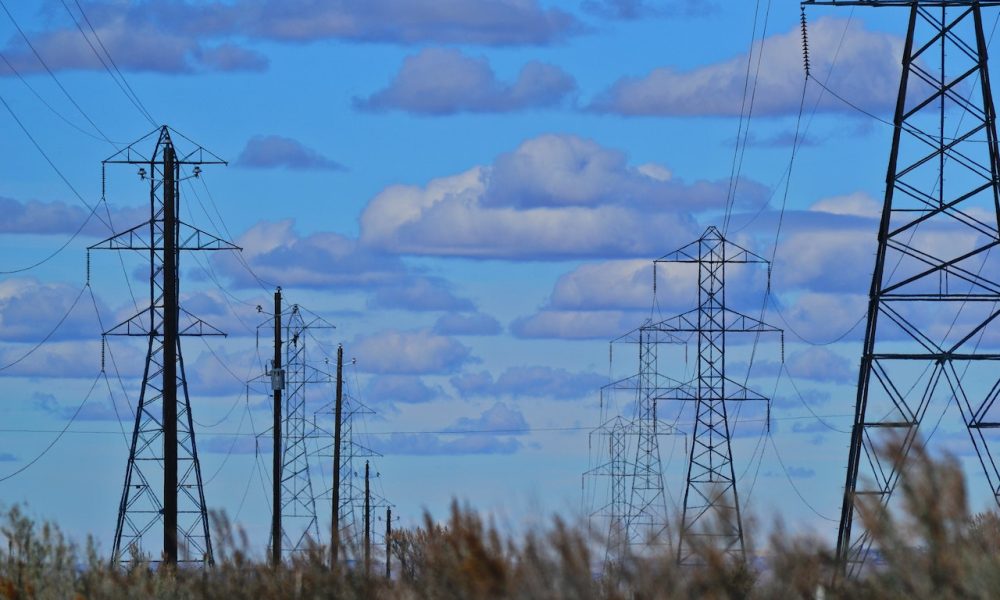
(195, 155)
(138, 325)
(730, 320)
(138, 238)
(694, 253)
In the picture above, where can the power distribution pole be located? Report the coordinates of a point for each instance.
(388, 542)
(368, 522)
(277, 383)
(163, 437)
(932, 308)
(337, 418)
(711, 502)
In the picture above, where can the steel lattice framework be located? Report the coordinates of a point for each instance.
(931, 331)
(299, 523)
(646, 516)
(711, 502)
(163, 484)
(352, 456)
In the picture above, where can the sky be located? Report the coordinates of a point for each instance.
(472, 192)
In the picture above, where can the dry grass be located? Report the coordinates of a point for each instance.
(933, 548)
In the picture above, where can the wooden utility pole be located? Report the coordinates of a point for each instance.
(171, 315)
(368, 522)
(337, 416)
(277, 383)
(388, 542)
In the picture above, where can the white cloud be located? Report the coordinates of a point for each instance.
(554, 197)
(867, 73)
(442, 81)
(409, 352)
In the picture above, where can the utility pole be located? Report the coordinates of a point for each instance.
(930, 304)
(171, 315)
(163, 437)
(337, 418)
(277, 383)
(388, 542)
(368, 522)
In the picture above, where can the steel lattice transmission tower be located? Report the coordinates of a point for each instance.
(711, 501)
(646, 515)
(300, 526)
(935, 292)
(163, 484)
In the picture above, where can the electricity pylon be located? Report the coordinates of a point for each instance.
(163, 485)
(934, 293)
(300, 526)
(711, 501)
(350, 496)
(295, 522)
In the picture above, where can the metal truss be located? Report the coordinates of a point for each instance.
(299, 523)
(353, 455)
(163, 485)
(932, 327)
(711, 509)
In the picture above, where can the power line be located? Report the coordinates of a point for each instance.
(41, 60)
(58, 437)
(51, 332)
(129, 92)
(449, 431)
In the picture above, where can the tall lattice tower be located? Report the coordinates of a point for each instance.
(931, 331)
(629, 502)
(299, 523)
(646, 518)
(163, 487)
(353, 454)
(711, 502)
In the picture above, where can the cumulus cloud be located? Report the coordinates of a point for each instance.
(139, 39)
(190, 37)
(554, 197)
(442, 81)
(275, 151)
(56, 359)
(437, 445)
(93, 410)
(406, 389)
(38, 217)
(821, 364)
(30, 309)
(467, 324)
(278, 253)
(575, 325)
(639, 9)
(487, 22)
(533, 381)
(492, 432)
(419, 294)
(826, 317)
(867, 73)
(409, 352)
(246, 444)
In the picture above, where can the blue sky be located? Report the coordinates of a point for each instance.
(472, 191)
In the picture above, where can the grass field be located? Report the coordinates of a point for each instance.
(932, 547)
